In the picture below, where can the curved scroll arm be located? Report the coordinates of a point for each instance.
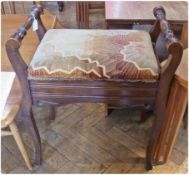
(14, 42)
(167, 72)
(20, 67)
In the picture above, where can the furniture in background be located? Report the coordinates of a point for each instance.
(177, 104)
(11, 23)
(60, 5)
(9, 7)
(122, 13)
(75, 73)
(12, 6)
(83, 10)
(7, 120)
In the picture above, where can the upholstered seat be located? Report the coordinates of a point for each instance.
(95, 55)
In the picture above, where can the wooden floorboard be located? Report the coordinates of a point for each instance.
(82, 148)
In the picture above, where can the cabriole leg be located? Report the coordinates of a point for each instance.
(30, 124)
(156, 130)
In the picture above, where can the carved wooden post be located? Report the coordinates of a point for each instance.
(20, 67)
(166, 74)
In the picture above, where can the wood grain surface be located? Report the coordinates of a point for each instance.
(10, 24)
(182, 72)
(142, 11)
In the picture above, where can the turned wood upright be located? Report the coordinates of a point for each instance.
(57, 92)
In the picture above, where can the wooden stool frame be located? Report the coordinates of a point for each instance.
(113, 93)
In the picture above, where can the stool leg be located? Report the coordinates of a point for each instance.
(143, 116)
(29, 122)
(52, 113)
(20, 144)
(108, 110)
(156, 130)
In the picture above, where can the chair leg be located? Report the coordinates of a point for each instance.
(52, 113)
(29, 122)
(20, 144)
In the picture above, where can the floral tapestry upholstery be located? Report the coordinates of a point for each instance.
(95, 55)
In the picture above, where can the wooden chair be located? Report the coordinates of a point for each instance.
(8, 120)
(42, 85)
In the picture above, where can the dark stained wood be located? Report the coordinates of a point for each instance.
(60, 6)
(113, 93)
(52, 113)
(133, 11)
(166, 75)
(20, 67)
(85, 88)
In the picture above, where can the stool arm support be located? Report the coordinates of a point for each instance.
(16, 39)
(167, 72)
(175, 50)
(161, 25)
(13, 44)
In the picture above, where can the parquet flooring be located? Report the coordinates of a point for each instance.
(83, 140)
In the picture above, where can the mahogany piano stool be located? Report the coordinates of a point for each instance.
(115, 67)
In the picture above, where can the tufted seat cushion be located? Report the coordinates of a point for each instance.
(95, 55)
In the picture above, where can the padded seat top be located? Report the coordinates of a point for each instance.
(94, 55)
